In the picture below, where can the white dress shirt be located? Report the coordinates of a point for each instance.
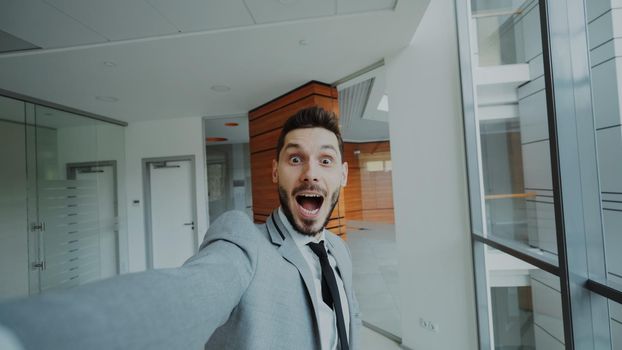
(329, 338)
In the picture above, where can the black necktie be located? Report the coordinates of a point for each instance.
(330, 291)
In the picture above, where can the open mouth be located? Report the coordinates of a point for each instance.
(309, 204)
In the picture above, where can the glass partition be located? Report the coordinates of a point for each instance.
(615, 310)
(604, 40)
(541, 93)
(228, 179)
(512, 121)
(14, 280)
(525, 304)
(64, 196)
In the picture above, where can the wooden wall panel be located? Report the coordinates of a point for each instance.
(369, 195)
(265, 123)
(314, 88)
(265, 196)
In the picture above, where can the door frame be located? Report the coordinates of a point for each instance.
(146, 162)
(71, 175)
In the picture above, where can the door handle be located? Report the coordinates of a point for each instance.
(190, 224)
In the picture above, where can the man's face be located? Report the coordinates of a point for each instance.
(309, 173)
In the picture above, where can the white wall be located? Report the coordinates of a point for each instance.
(161, 138)
(431, 207)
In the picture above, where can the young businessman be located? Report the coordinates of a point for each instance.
(285, 284)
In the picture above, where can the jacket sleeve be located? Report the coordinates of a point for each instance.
(158, 309)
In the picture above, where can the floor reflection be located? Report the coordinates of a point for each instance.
(375, 276)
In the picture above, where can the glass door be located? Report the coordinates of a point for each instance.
(62, 212)
(67, 211)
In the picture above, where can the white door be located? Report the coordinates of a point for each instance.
(106, 203)
(172, 213)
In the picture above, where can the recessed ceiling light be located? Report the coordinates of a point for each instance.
(220, 88)
(232, 124)
(109, 64)
(215, 139)
(303, 42)
(107, 98)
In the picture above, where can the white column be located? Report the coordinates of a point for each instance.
(429, 178)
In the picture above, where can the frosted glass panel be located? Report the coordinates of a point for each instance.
(71, 232)
(78, 198)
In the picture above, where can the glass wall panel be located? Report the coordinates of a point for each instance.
(605, 45)
(228, 179)
(14, 257)
(67, 204)
(525, 304)
(62, 200)
(615, 311)
(511, 116)
(509, 134)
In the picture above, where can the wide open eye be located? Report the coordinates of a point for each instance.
(295, 160)
(326, 161)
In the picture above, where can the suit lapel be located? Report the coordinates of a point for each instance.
(289, 250)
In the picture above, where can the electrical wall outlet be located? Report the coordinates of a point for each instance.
(429, 325)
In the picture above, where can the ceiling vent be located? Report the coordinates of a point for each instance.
(352, 102)
(11, 43)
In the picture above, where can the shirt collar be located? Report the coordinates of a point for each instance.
(300, 239)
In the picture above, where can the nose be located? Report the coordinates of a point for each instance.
(310, 173)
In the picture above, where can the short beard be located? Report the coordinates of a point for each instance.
(307, 230)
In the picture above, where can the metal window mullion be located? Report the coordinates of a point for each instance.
(573, 164)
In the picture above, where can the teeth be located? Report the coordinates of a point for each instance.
(310, 195)
(309, 212)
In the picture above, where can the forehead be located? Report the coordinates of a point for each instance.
(311, 139)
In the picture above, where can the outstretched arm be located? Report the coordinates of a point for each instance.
(158, 309)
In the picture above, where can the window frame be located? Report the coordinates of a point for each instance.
(576, 188)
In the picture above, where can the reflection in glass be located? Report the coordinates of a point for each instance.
(77, 197)
(228, 179)
(525, 304)
(64, 198)
(512, 120)
(13, 200)
(606, 70)
(615, 311)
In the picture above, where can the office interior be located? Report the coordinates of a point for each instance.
(483, 137)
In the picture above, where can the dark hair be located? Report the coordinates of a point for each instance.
(312, 117)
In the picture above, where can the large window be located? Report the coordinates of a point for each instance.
(542, 88)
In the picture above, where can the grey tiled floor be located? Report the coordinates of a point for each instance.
(375, 277)
(374, 341)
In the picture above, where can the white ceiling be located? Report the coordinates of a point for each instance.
(166, 55)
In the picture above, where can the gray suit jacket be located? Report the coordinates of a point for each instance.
(248, 287)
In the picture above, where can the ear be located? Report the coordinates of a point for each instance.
(344, 179)
(275, 171)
